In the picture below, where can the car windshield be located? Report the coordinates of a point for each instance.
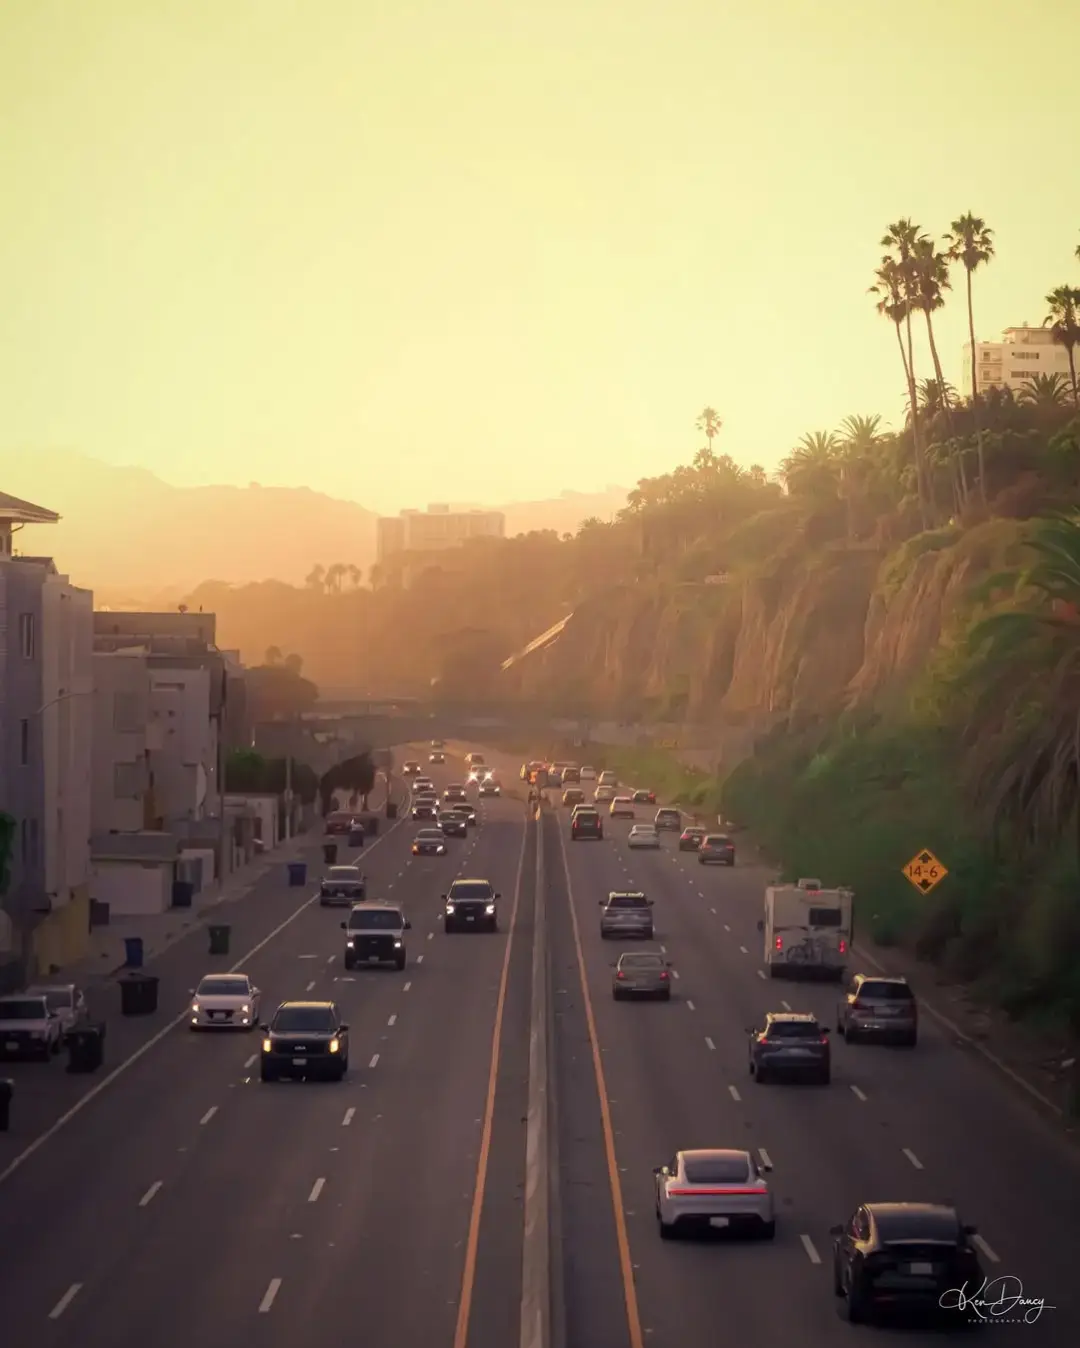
(470, 889)
(885, 992)
(455, 790)
(451, 815)
(23, 1008)
(589, 816)
(626, 901)
(667, 814)
(717, 1169)
(641, 962)
(461, 809)
(717, 840)
(300, 1018)
(56, 999)
(693, 833)
(794, 1029)
(379, 919)
(429, 835)
(340, 817)
(343, 873)
(643, 828)
(223, 987)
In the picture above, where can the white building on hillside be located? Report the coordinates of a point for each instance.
(1010, 363)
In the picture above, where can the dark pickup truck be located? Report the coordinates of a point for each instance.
(471, 905)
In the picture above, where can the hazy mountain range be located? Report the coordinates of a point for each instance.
(135, 539)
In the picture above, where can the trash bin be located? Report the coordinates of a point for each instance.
(297, 873)
(356, 838)
(329, 853)
(86, 1048)
(391, 809)
(183, 891)
(371, 824)
(7, 1091)
(138, 995)
(133, 952)
(220, 936)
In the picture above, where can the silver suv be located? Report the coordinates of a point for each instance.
(28, 1029)
(626, 915)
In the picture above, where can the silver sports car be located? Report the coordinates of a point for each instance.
(699, 1191)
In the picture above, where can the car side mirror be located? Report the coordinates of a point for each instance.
(265, 1029)
(343, 925)
(836, 1230)
(408, 926)
(649, 902)
(343, 1029)
(443, 897)
(601, 903)
(766, 1166)
(761, 924)
(971, 1230)
(498, 896)
(191, 992)
(825, 1029)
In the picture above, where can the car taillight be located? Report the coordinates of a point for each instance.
(843, 946)
(620, 974)
(779, 943)
(663, 973)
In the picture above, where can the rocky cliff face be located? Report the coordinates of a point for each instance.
(808, 634)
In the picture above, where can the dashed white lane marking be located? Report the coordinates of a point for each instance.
(674, 973)
(766, 1159)
(726, 927)
(981, 1244)
(734, 1093)
(310, 986)
(811, 1252)
(316, 1190)
(744, 950)
(392, 1020)
(250, 1062)
(374, 1060)
(710, 1043)
(208, 1115)
(65, 1301)
(663, 950)
(912, 1157)
(761, 974)
(431, 936)
(711, 910)
(330, 960)
(406, 987)
(689, 1006)
(269, 1295)
(419, 959)
(149, 1195)
(349, 1113)
(858, 1094)
(307, 957)
(786, 1006)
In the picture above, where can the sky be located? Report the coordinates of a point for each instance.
(413, 250)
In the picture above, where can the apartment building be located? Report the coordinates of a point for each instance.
(433, 529)
(46, 714)
(1010, 363)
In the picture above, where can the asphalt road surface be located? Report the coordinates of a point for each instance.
(186, 1203)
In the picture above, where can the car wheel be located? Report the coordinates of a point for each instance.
(767, 1231)
(342, 1070)
(825, 1078)
(265, 1075)
(911, 1041)
(750, 1067)
(666, 1232)
(400, 962)
(349, 964)
(448, 927)
(837, 1285)
(855, 1308)
(665, 996)
(760, 1076)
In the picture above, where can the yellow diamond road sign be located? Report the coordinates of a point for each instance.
(925, 871)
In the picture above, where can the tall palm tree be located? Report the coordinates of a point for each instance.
(1063, 319)
(972, 243)
(316, 577)
(1044, 390)
(1022, 691)
(931, 276)
(710, 423)
(894, 304)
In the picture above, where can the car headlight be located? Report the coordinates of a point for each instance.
(490, 909)
(335, 1045)
(397, 945)
(450, 908)
(440, 848)
(267, 1045)
(348, 945)
(245, 1010)
(195, 1007)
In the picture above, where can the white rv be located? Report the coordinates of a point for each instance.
(807, 930)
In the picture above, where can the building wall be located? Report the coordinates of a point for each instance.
(436, 528)
(121, 765)
(185, 767)
(133, 888)
(144, 627)
(1010, 363)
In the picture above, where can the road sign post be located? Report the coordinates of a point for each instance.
(925, 872)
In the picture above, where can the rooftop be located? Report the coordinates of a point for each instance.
(25, 512)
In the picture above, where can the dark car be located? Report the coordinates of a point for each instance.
(436, 756)
(375, 934)
(411, 768)
(716, 849)
(429, 842)
(879, 1008)
(690, 839)
(571, 776)
(305, 1039)
(668, 819)
(455, 792)
(471, 905)
(790, 1044)
(644, 797)
(586, 824)
(905, 1257)
(342, 884)
(424, 809)
(466, 811)
(453, 825)
(341, 821)
(490, 787)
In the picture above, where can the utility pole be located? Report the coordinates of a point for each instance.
(288, 784)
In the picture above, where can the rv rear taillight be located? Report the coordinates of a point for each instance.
(843, 946)
(779, 943)
(620, 974)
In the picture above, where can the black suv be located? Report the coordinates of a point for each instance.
(586, 824)
(790, 1044)
(305, 1039)
(470, 905)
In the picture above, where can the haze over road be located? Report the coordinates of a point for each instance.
(189, 1204)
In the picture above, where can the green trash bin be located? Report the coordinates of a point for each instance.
(220, 936)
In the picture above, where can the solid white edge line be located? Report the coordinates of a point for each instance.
(269, 1295)
(811, 1251)
(65, 1301)
(148, 1196)
(92, 1094)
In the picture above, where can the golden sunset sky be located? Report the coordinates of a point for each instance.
(413, 250)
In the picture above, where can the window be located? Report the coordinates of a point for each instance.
(733, 1169)
(794, 1029)
(885, 992)
(826, 917)
(27, 636)
(24, 742)
(1025, 355)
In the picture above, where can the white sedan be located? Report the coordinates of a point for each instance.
(643, 835)
(700, 1191)
(603, 793)
(225, 1002)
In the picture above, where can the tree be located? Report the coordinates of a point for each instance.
(972, 244)
(294, 664)
(1044, 391)
(893, 304)
(352, 775)
(316, 578)
(931, 275)
(276, 692)
(904, 238)
(812, 468)
(710, 423)
(273, 655)
(249, 773)
(1063, 319)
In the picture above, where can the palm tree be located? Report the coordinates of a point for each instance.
(710, 423)
(972, 243)
(272, 656)
(1023, 691)
(931, 271)
(1063, 318)
(334, 577)
(812, 467)
(316, 577)
(1044, 390)
(893, 303)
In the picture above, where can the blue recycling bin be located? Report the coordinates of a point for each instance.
(297, 873)
(133, 952)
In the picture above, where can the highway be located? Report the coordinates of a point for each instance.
(189, 1203)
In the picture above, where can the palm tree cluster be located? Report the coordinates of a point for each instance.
(331, 579)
